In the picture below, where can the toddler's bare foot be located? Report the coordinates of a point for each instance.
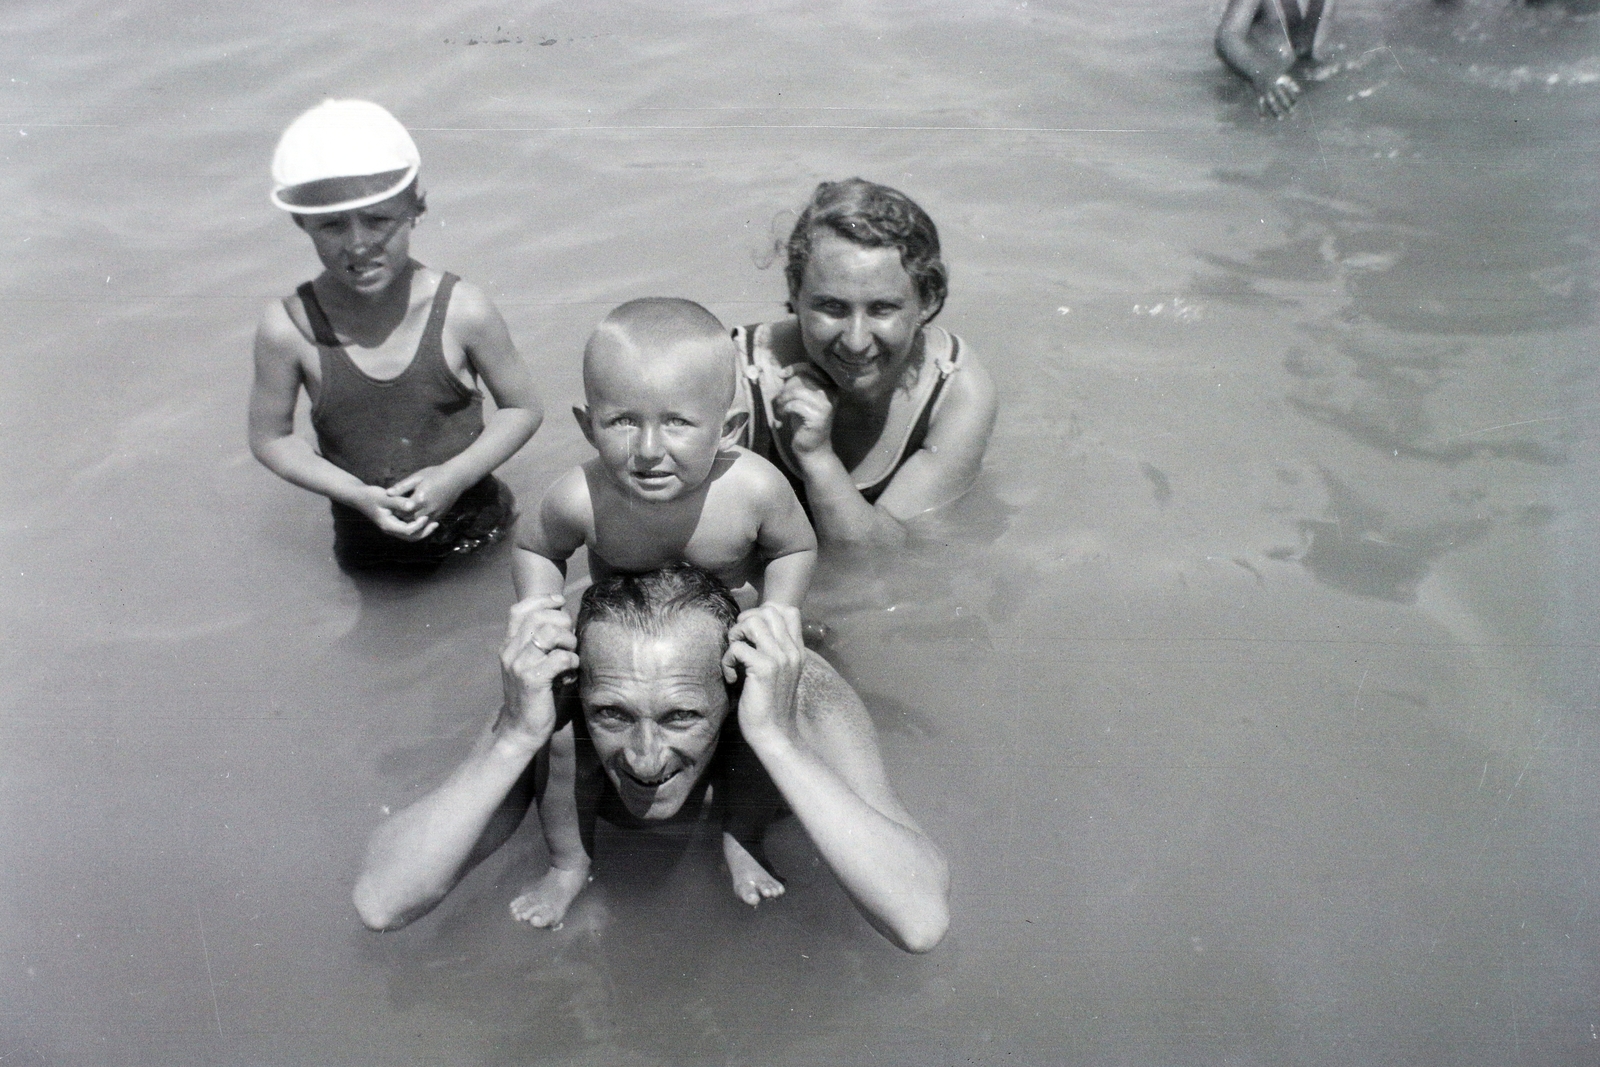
(752, 883)
(545, 902)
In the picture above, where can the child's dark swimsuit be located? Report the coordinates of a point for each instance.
(382, 430)
(761, 385)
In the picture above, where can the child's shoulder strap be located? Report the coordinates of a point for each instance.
(433, 332)
(321, 328)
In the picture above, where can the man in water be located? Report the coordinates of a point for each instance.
(660, 672)
(1263, 40)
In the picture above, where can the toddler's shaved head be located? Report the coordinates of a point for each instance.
(656, 333)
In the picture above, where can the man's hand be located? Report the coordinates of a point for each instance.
(392, 515)
(540, 647)
(427, 493)
(766, 646)
(807, 402)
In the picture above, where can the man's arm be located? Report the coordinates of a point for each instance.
(422, 851)
(273, 395)
(815, 739)
(474, 319)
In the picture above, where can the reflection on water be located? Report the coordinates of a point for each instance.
(1246, 692)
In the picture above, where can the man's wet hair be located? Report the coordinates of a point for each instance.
(874, 216)
(650, 602)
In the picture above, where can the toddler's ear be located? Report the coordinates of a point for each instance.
(733, 426)
(582, 415)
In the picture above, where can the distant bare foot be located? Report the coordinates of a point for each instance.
(752, 883)
(545, 902)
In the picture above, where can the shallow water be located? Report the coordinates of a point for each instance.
(1251, 693)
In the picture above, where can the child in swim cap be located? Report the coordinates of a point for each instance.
(394, 357)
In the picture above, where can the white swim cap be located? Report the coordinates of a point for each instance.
(341, 155)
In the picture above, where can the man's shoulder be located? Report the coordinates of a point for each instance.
(830, 706)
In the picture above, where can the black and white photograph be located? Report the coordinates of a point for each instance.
(869, 533)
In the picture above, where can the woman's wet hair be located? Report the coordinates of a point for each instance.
(649, 602)
(874, 216)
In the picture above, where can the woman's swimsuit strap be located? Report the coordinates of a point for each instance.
(919, 430)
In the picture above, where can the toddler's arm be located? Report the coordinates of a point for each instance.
(559, 528)
(786, 541)
(273, 395)
(476, 322)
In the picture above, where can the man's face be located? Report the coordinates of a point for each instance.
(655, 707)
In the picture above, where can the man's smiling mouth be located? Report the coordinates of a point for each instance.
(650, 783)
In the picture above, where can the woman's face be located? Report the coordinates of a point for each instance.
(859, 314)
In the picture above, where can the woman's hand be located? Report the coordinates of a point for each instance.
(765, 645)
(806, 402)
(540, 647)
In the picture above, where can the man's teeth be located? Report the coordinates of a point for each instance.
(652, 782)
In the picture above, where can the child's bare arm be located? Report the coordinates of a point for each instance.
(273, 395)
(1268, 71)
(788, 577)
(787, 541)
(558, 528)
(475, 321)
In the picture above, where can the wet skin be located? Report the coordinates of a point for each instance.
(663, 487)
(855, 371)
(370, 292)
(656, 721)
(667, 483)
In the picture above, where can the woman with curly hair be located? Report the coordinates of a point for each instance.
(875, 414)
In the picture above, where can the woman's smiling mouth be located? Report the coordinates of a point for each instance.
(855, 360)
